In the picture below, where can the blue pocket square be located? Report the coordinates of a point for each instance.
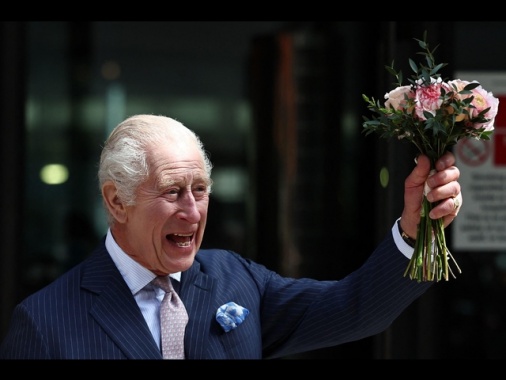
(231, 315)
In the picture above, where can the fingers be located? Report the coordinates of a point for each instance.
(454, 204)
(450, 201)
(443, 187)
(448, 206)
(445, 176)
(445, 161)
(445, 171)
(440, 187)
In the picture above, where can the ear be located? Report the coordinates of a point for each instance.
(113, 203)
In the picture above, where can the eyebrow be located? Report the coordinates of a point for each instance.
(169, 179)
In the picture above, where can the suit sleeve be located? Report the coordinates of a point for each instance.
(23, 340)
(304, 314)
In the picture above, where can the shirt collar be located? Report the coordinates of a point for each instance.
(136, 276)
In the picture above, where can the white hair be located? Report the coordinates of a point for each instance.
(124, 157)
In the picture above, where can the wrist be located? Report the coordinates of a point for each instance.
(408, 239)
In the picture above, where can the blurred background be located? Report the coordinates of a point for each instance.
(279, 106)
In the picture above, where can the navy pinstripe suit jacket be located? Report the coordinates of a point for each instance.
(89, 312)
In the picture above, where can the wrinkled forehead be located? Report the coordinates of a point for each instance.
(181, 176)
(179, 158)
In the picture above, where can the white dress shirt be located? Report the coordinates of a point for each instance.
(139, 280)
(399, 241)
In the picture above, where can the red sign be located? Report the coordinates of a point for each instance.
(500, 133)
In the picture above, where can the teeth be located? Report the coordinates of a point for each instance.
(184, 244)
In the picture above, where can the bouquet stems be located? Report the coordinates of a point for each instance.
(431, 256)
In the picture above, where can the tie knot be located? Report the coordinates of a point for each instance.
(163, 282)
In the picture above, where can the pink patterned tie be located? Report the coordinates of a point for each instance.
(173, 320)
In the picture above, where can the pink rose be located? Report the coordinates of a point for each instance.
(428, 98)
(483, 100)
(456, 86)
(396, 98)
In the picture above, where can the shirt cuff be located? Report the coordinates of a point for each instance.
(404, 247)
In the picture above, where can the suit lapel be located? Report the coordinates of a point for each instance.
(116, 310)
(197, 292)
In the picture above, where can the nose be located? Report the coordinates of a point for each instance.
(188, 208)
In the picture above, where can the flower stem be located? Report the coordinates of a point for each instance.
(430, 260)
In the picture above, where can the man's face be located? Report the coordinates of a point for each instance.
(164, 229)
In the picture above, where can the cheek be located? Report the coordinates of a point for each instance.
(154, 212)
(203, 207)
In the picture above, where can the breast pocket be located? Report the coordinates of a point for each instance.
(244, 341)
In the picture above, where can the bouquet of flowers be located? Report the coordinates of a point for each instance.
(433, 114)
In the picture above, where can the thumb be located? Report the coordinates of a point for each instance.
(414, 185)
(419, 174)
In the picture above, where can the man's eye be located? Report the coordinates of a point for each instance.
(172, 192)
(199, 191)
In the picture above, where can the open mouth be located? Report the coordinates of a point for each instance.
(181, 240)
